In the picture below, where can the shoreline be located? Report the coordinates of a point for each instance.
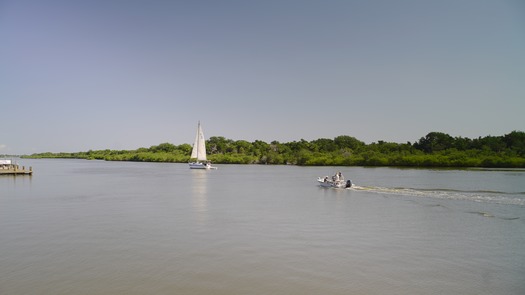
(485, 168)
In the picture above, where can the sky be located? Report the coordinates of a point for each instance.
(124, 74)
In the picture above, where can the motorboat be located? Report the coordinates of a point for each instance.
(334, 182)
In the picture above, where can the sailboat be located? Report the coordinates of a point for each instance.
(199, 152)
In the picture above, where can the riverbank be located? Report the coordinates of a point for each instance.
(434, 150)
(453, 160)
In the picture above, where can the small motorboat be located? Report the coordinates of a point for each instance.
(335, 183)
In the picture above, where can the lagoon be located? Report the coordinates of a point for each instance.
(96, 227)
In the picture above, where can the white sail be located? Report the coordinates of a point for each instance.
(199, 148)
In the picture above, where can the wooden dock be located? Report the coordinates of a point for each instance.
(15, 170)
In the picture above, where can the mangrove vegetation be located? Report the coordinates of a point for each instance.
(436, 149)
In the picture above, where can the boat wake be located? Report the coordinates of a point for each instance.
(493, 197)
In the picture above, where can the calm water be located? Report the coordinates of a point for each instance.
(94, 227)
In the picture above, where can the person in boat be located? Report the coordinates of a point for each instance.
(336, 176)
(341, 177)
(326, 179)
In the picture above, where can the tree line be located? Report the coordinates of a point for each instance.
(436, 149)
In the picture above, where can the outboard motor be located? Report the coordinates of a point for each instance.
(348, 183)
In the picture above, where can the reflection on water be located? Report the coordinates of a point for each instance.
(14, 180)
(199, 183)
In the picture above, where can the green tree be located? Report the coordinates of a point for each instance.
(163, 147)
(323, 145)
(242, 146)
(434, 141)
(345, 141)
(184, 149)
(516, 142)
(219, 145)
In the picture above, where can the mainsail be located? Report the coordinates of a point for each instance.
(199, 147)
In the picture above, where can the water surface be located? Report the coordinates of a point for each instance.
(95, 227)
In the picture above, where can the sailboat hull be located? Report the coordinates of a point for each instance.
(198, 165)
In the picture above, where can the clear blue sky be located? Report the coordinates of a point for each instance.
(80, 75)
